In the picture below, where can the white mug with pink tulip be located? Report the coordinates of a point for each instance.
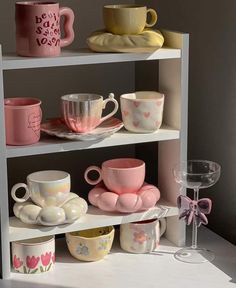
(143, 236)
(142, 111)
(34, 256)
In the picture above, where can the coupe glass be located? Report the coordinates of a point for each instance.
(196, 174)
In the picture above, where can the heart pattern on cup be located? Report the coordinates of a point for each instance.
(34, 120)
(159, 103)
(125, 113)
(136, 104)
(136, 123)
(146, 114)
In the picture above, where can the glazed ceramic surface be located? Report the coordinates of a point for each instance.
(146, 42)
(106, 200)
(92, 244)
(71, 210)
(83, 112)
(22, 120)
(142, 237)
(38, 28)
(127, 18)
(57, 127)
(122, 175)
(45, 188)
(142, 111)
(34, 255)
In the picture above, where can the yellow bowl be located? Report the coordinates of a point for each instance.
(92, 244)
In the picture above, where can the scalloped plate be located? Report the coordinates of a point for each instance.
(109, 201)
(56, 127)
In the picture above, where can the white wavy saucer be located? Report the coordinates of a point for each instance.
(72, 209)
(56, 127)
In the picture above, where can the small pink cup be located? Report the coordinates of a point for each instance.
(122, 175)
(22, 120)
(38, 28)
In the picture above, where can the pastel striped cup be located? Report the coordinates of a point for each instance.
(45, 188)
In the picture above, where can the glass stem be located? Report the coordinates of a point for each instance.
(194, 231)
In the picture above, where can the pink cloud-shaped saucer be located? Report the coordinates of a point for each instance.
(145, 198)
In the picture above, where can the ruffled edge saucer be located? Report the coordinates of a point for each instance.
(145, 198)
(30, 213)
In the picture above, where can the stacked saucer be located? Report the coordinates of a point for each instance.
(126, 30)
(121, 186)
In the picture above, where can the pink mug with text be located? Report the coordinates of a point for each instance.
(38, 28)
(22, 120)
(122, 175)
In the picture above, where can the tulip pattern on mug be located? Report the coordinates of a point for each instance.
(34, 264)
(34, 255)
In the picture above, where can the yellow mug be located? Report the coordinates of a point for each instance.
(127, 19)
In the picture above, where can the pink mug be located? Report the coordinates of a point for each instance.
(122, 175)
(38, 28)
(22, 120)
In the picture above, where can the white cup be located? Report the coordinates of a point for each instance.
(34, 256)
(143, 236)
(45, 188)
(142, 111)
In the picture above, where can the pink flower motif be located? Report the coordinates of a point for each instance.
(140, 237)
(46, 258)
(17, 263)
(53, 258)
(32, 262)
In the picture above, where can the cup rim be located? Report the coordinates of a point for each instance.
(29, 177)
(145, 222)
(71, 97)
(39, 241)
(141, 163)
(123, 6)
(159, 96)
(10, 100)
(36, 3)
(111, 231)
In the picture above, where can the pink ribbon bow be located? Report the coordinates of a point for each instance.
(192, 210)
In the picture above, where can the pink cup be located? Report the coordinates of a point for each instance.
(124, 175)
(38, 28)
(22, 120)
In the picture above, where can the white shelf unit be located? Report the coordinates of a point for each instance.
(171, 138)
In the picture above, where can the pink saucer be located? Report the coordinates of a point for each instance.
(105, 200)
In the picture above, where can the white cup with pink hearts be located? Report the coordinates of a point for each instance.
(142, 111)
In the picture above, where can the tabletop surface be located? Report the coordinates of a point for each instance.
(120, 269)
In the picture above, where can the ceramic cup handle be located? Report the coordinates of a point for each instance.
(162, 222)
(93, 168)
(25, 197)
(68, 26)
(153, 21)
(111, 98)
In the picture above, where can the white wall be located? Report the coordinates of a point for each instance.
(212, 94)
